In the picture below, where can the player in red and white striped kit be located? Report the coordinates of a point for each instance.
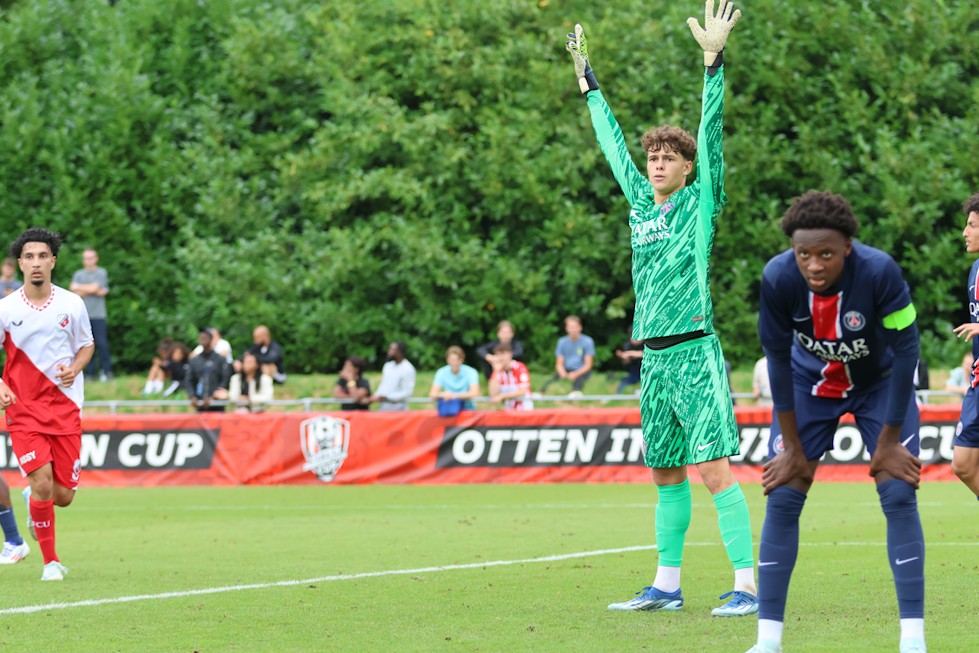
(47, 337)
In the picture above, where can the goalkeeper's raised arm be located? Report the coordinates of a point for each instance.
(610, 139)
(712, 38)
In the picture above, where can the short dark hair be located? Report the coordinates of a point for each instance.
(673, 138)
(402, 347)
(816, 209)
(36, 235)
(971, 204)
(358, 362)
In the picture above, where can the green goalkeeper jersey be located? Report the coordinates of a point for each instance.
(672, 241)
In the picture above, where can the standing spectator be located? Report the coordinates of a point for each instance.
(456, 380)
(761, 389)
(352, 385)
(251, 389)
(8, 279)
(510, 383)
(92, 284)
(575, 355)
(208, 374)
(397, 380)
(49, 342)
(630, 353)
(220, 345)
(268, 353)
(504, 336)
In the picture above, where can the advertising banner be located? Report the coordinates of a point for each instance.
(593, 445)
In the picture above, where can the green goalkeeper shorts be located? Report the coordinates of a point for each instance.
(685, 406)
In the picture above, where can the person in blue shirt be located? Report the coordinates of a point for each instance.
(574, 356)
(456, 380)
(839, 329)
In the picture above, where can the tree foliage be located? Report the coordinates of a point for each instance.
(351, 173)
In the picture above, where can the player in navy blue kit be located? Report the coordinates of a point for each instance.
(965, 458)
(838, 327)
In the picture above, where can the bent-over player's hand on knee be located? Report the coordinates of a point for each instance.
(784, 468)
(894, 459)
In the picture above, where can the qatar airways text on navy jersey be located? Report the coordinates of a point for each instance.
(838, 342)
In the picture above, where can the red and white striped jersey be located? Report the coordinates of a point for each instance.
(511, 380)
(39, 339)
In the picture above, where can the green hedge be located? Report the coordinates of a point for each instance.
(355, 172)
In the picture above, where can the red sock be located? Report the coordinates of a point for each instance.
(42, 512)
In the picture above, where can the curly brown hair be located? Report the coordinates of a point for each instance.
(970, 205)
(673, 138)
(817, 209)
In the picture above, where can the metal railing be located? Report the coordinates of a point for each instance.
(309, 404)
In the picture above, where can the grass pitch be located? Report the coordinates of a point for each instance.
(461, 568)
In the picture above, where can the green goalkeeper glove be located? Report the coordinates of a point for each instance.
(577, 45)
(713, 35)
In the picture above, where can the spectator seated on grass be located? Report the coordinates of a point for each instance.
(168, 369)
(251, 389)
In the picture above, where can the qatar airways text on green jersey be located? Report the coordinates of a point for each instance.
(672, 241)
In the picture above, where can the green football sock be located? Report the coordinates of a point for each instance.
(735, 524)
(672, 521)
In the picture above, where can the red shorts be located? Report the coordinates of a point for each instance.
(35, 450)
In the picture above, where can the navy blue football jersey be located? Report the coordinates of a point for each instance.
(974, 317)
(837, 340)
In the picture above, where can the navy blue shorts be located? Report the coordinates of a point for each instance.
(818, 417)
(967, 430)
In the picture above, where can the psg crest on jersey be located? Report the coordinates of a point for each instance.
(854, 320)
(778, 445)
(324, 442)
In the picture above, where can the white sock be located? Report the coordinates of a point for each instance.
(148, 388)
(912, 629)
(667, 579)
(158, 386)
(770, 630)
(744, 580)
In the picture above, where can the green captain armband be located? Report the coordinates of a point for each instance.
(902, 319)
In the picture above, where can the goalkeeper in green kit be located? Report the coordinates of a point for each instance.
(687, 417)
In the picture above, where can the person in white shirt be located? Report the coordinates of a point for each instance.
(397, 380)
(251, 388)
(48, 338)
